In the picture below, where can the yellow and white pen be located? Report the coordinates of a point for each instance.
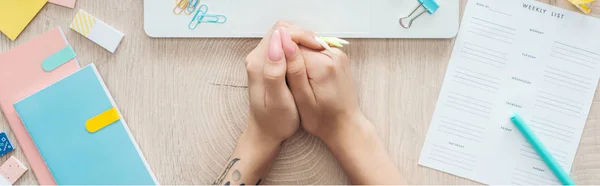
(333, 41)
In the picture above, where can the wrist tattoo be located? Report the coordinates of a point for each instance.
(258, 182)
(236, 175)
(219, 181)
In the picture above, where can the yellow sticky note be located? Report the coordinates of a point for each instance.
(102, 120)
(15, 15)
(584, 5)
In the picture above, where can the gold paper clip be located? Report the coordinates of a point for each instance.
(430, 6)
(584, 5)
(180, 7)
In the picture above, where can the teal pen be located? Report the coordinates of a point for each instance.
(541, 150)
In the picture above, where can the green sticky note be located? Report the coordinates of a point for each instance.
(57, 59)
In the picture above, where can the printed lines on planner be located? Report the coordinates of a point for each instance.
(564, 79)
(551, 129)
(454, 158)
(536, 174)
(500, 12)
(462, 129)
(484, 55)
(524, 177)
(478, 81)
(558, 105)
(527, 151)
(574, 55)
(492, 31)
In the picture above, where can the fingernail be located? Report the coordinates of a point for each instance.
(289, 47)
(323, 43)
(275, 48)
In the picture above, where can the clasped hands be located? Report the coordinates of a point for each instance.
(293, 82)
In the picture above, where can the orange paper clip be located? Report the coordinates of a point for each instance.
(180, 7)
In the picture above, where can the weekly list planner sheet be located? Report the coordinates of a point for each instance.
(514, 56)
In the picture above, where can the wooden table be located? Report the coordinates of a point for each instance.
(186, 102)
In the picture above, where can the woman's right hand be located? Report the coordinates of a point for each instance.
(325, 95)
(324, 90)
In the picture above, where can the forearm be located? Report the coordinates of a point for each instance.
(250, 161)
(362, 154)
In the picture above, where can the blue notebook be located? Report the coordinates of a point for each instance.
(56, 119)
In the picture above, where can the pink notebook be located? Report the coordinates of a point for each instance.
(21, 75)
(65, 3)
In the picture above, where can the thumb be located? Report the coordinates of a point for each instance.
(274, 71)
(297, 76)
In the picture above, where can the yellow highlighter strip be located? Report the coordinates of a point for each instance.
(102, 120)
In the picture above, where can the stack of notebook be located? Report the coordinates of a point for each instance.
(65, 119)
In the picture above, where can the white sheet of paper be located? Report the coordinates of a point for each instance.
(514, 56)
(339, 18)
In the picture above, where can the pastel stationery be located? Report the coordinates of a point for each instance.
(65, 3)
(11, 171)
(57, 59)
(15, 15)
(102, 120)
(21, 74)
(57, 118)
(5, 144)
(541, 149)
(97, 31)
(514, 56)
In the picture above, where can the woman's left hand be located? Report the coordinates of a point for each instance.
(273, 116)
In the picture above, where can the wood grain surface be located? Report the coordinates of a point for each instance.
(186, 102)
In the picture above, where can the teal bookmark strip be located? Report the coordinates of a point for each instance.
(59, 58)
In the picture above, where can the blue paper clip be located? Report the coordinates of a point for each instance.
(191, 7)
(201, 16)
(198, 17)
(216, 18)
(430, 7)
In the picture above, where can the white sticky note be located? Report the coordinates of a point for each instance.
(3, 181)
(97, 31)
